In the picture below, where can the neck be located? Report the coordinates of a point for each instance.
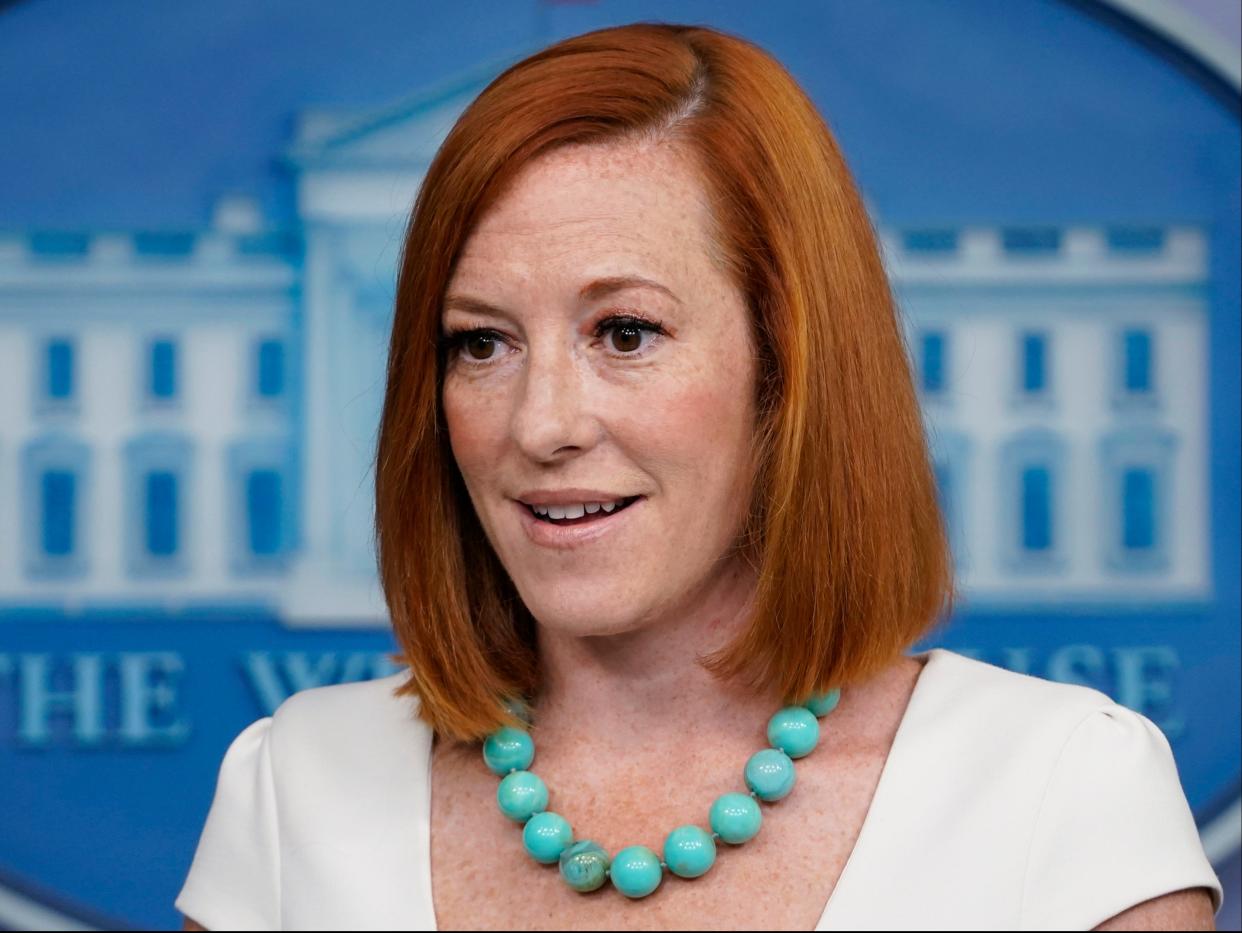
(647, 683)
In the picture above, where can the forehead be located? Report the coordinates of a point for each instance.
(596, 209)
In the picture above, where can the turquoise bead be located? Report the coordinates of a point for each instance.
(546, 835)
(584, 866)
(770, 774)
(636, 871)
(824, 703)
(689, 851)
(794, 730)
(521, 795)
(508, 749)
(735, 818)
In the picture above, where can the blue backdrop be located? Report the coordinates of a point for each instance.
(200, 211)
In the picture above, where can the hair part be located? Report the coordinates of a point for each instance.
(844, 526)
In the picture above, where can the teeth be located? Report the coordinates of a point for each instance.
(577, 510)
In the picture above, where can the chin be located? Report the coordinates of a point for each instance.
(585, 617)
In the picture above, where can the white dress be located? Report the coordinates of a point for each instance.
(1006, 802)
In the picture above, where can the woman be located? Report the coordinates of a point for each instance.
(651, 468)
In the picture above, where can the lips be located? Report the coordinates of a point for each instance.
(578, 532)
(598, 514)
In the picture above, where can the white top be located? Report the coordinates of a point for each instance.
(1006, 802)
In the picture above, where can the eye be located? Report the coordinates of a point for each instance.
(474, 346)
(627, 333)
(480, 346)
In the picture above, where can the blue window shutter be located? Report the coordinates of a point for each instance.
(1138, 509)
(161, 496)
(60, 369)
(1036, 508)
(163, 369)
(263, 510)
(933, 361)
(1138, 361)
(1034, 357)
(58, 511)
(271, 368)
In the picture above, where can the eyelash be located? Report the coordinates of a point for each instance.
(452, 341)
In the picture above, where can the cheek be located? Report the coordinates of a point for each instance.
(701, 427)
(474, 430)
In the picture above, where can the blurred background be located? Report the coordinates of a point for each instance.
(201, 208)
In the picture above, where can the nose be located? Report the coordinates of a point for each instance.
(551, 417)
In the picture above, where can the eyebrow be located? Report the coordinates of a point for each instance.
(616, 283)
(592, 291)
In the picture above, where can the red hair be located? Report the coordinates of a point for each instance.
(844, 526)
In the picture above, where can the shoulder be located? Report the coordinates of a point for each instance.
(993, 731)
(342, 753)
(336, 710)
(322, 790)
(1013, 707)
(1086, 789)
(1053, 743)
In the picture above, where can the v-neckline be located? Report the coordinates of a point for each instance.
(884, 781)
(877, 800)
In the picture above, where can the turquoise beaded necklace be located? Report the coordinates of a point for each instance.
(689, 851)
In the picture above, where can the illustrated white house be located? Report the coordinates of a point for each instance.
(188, 417)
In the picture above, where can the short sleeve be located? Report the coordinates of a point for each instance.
(1114, 827)
(234, 880)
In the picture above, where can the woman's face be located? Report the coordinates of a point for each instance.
(606, 357)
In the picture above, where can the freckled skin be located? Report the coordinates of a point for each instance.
(555, 406)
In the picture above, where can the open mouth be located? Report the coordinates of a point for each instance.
(600, 513)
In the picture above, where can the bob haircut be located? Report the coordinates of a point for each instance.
(844, 526)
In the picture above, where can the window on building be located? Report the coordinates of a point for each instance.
(263, 527)
(55, 503)
(1033, 516)
(935, 353)
(1137, 361)
(58, 505)
(286, 243)
(1136, 240)
(270, 369)
(1137, 468)
(157, 468)
(1031, 240)
(59, 245)
(161, 513)
(162, 370)
(951, 459)
(59, 384)
(930, 241)
(1138, 519)
(1033, 366)
(1037, 508)
(163, 243)
(263, 511)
